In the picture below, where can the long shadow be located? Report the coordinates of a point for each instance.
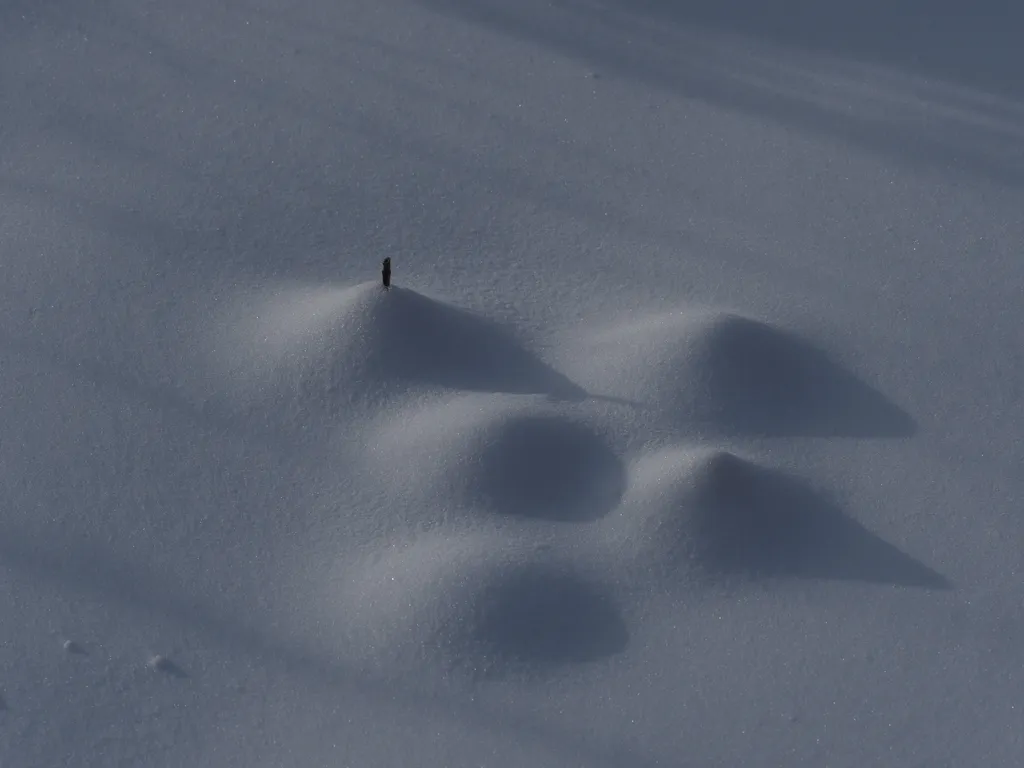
(749, 520)
(762, 380)
(734, 375)
(672, 45)
(417, 338)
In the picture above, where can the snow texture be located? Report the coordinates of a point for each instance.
(689, 432)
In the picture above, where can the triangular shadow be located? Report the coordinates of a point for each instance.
(415, 338)
(761, 380)
(759, 522)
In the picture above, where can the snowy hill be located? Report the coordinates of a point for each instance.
(689, 433)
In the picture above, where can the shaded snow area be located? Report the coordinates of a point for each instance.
(689, 433)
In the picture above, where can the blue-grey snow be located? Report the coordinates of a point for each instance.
(688, 431)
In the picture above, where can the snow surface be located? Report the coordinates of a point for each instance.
(689, 435)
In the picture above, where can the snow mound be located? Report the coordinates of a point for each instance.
(732, 374)
(474, 603)
(339, 345)
(712, 517)
(511, 458)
